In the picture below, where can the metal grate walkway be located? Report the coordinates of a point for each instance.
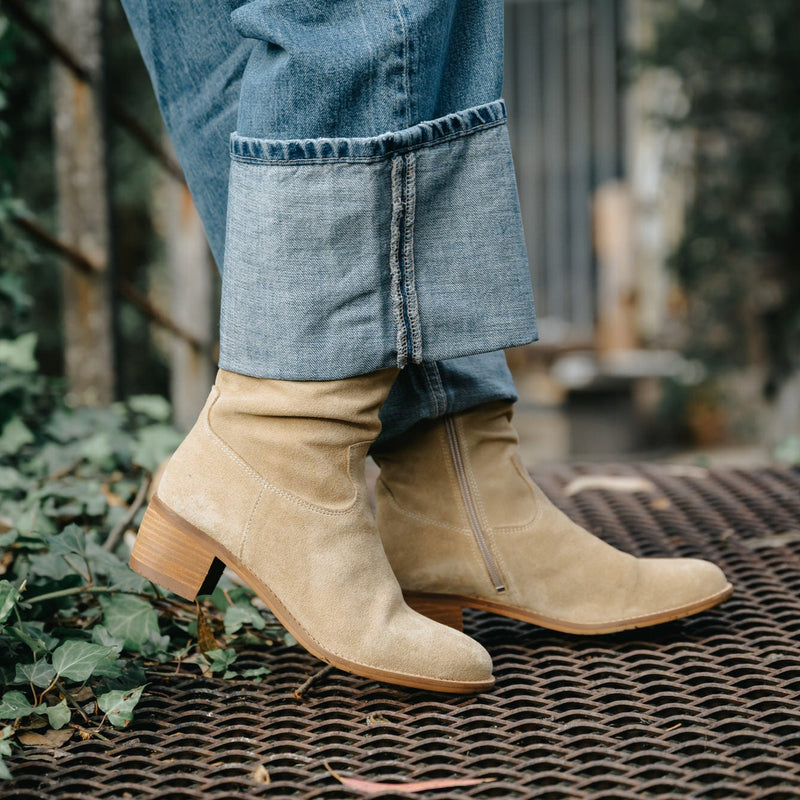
(703, 708)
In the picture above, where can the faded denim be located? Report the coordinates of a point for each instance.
(372, 214)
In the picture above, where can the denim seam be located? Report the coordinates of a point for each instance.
(438, 376)
(401, 15)
(395, 266)
(431, 390)
(405, 307)
(409, 282)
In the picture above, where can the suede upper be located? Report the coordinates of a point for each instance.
(274, 471)
(549, 565)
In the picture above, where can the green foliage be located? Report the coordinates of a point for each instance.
(76, 623)
(738, 62)
(788, 451)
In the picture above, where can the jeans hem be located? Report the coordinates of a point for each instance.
(374, 148)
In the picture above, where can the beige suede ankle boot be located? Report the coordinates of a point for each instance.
(270, 481)
(463, 525)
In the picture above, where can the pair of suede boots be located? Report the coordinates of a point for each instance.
(270, 481)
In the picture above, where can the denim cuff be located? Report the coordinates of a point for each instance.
(345, 256)
(471, 120)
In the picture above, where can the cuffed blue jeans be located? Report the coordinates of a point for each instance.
(350, 162)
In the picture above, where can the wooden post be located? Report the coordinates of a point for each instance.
(191, 298)
(83, 203)
(613, 217)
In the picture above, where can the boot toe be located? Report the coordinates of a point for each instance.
(678, 587)
(465, 660)
(442, 654)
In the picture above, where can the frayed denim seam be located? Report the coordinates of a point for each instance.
(401, 336)
(409, 282)
(405, 309)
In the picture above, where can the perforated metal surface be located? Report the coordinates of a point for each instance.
(706, 707)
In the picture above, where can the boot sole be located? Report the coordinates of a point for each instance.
(447, 609)
(180, 557)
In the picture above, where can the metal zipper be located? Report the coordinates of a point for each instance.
(469, 503)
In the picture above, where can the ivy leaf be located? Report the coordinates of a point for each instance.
(32, 634)
(40, 674)
(11, 480)
(19, 353)
(9, 594)
(72, 540)
(15, 436)
(154, 444)
(118, 705)
(239, 615)
(5, 750)
(132, 676)
(256, 673)
(100, 635)
(120, 576)
(51, 566)
(79, 660)
(153, 406)
(12, 287)
(15, 706)
(124, 579)
(97, 449)
(8, 538)
(129, 618)
(156, 646)
(58, 715)
(220, 660)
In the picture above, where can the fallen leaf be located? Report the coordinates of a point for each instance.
(376, 719)
(411, 786)
(84, 693)
(205, 636)
(660, 504)
(5, 525)
(50, 739)
(612, 483)
(6, 559)
(260, 774)
(685, 471)
(32, 723)
(776, 540)
(111, 498)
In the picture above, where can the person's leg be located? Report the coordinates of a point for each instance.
(356, 243)
(197, 61)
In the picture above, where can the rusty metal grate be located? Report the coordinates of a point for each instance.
(707, 707)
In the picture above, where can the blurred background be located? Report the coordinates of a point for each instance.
(657, 145)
